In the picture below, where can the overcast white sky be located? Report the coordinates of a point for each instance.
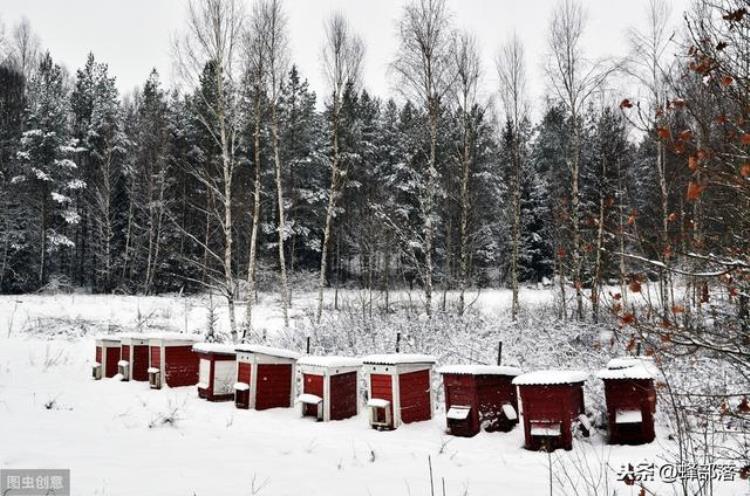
(133, 36)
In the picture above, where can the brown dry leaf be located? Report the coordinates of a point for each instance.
(694, 190)
(735, 16)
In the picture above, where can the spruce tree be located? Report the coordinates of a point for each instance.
(45, 155)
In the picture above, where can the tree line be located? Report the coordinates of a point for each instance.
(241, 182)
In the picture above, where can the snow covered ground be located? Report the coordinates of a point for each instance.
(188, 314)
(124, 439)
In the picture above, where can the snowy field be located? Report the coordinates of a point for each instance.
(124, 439)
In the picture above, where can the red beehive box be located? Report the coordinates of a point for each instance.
(479, 396)
(172, 361)
(217, 371)
(107, 356)
(265, 377)
(400, 389)
(631, 400)
(551, 402)
(330, 387)
(134, 354)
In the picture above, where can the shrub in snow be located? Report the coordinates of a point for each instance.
(168, 417)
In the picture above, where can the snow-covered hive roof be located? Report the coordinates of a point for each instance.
(227, 349)
(267, 350)
(109, 337)
(477, 369)
(629, 368)
(549, 377)
(398, 359)
(134, 335)
(173, 336)
(329, 361)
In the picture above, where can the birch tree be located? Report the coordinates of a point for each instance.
(343, 52)
(255, 55)
(648, 65)
(573, 79)
(424, 70)
(467, 68)
(24, 48)
(511, 71)
(211, 40)
(275, 43)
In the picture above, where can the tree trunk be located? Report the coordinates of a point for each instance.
(282, 221)
(464, 229)
(251, 289)
(151, 227)
(664, 193)
(329, 209)
(253, 249)
(128, 238)
(227, 168)
(516, 229)
(157, 231)
(43, 237)
(387, 273)
(575, 206)
(596, 284)
(429, 228)
(6, 249)
(621, 201)
(561, 278)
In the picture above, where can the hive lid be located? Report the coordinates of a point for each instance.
(545, 377)
(227, 349)
(478, 369)
(629, 368)
(330, 361)
(267, 350)
(108, 337)
(398, 359)
(173, 336)
(129, 337)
